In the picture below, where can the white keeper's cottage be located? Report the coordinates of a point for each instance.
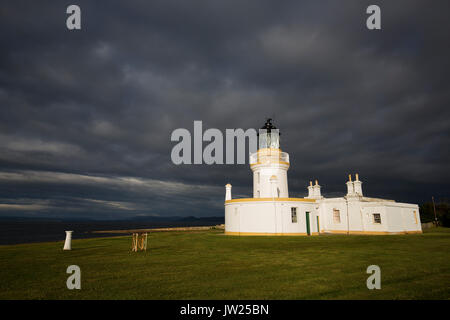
(272, 212)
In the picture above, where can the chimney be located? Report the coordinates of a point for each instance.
(316, 190)
(310, 190)
(358, 186)
(350, 186)
(228, 192)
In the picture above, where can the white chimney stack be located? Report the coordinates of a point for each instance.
(316, 190)
(68, 243)
(358, 186)
(228, 192)
(310, 190)
(350, 186)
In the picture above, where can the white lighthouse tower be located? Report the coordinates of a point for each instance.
(269, 165)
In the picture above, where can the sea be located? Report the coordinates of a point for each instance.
(15, 231)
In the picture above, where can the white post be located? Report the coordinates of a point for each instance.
(228, 192)
(68, 243)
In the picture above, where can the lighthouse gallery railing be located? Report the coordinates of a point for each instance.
(266, 156)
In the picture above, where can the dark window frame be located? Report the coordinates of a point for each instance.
(294, 218)
(376, 218)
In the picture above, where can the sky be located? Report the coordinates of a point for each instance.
(86, 115)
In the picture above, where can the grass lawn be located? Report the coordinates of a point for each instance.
(210, 265)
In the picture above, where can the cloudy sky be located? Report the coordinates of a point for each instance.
(86, 116)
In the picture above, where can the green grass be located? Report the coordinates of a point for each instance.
(209, 265)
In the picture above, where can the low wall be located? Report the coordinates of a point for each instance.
(220, 226)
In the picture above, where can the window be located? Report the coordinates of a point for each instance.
(294, 215)
(376, 218)
(336, 216)
(278, 192)
(415, 216)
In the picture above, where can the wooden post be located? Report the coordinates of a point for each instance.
(139, 241)
(135, 238)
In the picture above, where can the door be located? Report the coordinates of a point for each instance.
(308, 229)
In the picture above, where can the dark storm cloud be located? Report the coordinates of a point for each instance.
(86, 116)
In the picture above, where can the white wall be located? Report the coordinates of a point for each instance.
(268, 217)
(275, 217)
(369, 224)
(395, 217)
(326, 214)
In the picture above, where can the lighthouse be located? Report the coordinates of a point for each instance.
(269, 165)
(272, 211)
